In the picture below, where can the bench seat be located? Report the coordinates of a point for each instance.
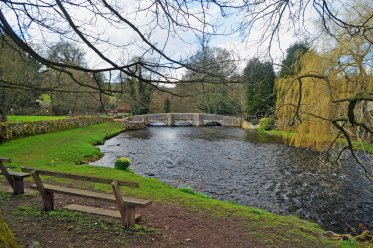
(94, 195)
(98, 211)
(17, 174)
(14, 178)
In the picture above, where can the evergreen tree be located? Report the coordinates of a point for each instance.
(259, 78)
(291, 65)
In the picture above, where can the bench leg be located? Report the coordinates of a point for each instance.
(18, 186)
(48, 201)
(130, 212)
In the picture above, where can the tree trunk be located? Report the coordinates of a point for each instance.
(3, 111)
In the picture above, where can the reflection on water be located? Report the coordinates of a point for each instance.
(249, 168)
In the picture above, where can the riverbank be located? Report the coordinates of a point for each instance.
(67, 151)
(358, 145)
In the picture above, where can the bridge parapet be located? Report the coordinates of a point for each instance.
(196, 119)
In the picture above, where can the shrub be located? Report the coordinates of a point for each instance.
(122, 163)
(266, 123)
(10, 131)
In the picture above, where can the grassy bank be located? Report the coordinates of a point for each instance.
(27, 118)
(68, 150)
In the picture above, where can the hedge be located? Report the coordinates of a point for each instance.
(10, 131)
(6, 235)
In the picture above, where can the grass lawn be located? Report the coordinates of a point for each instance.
(24, 118)
(66, 151)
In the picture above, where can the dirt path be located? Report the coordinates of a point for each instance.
(161, 226)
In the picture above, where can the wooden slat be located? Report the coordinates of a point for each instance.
(17, 174)
(98, 211)
(80, 177)
(93, 210)
(7, 160)
(94, 195)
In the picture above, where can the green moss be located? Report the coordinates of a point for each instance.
(76, 146)
(7, 238)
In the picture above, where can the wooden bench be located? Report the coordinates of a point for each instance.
(126, 205)
(14, 178)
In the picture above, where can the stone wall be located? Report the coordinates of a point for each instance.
(133, 125)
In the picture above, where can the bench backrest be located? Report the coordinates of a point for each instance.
(4, 171)
(80, 177)
(3, 160)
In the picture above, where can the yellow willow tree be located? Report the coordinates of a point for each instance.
(330, 96)
(304, 104)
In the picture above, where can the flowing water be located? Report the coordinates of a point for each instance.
(249, 168)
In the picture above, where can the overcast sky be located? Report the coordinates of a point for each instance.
(125, 43)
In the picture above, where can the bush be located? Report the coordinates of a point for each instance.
(122, 163)
(10, 131)
(266, 123)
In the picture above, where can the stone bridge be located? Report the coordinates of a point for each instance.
(169, 119)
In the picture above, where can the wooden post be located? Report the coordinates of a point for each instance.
(18, 184)
(47, 197)
(131, 215)
(5, 171)
(123, 210)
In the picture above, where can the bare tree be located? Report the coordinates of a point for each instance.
(150, 28)
(90, 24)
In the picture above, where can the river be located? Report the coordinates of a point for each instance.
(234, 164)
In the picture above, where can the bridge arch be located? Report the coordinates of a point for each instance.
(183, 123)
(212, 123)
(157, 123)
